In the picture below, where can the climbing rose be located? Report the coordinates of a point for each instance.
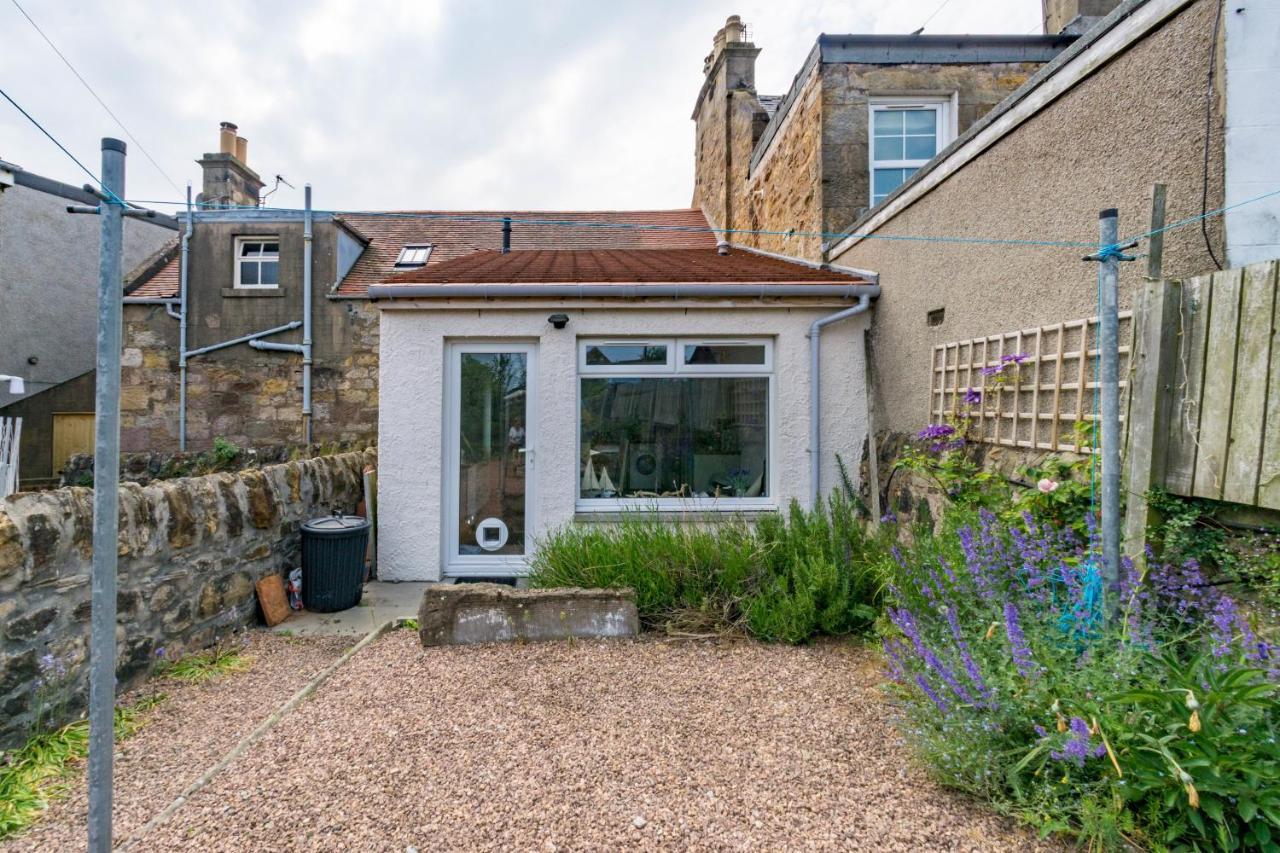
(1046, 485)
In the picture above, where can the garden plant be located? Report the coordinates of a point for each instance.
(787, 578)
(1145, 716)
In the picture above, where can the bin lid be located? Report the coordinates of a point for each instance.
(335, 523)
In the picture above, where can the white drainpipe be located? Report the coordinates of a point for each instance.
(815, 386)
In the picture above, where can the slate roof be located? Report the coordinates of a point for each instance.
(455, 234)
(585, 266)
(770, 103)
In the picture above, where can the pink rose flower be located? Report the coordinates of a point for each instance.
(1046, 485)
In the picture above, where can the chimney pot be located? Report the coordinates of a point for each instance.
(722, 248)
(227, 138)
(733, 29)
(242, 150)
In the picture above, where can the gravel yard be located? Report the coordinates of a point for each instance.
(578, 745)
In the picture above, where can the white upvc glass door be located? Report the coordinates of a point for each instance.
(489, 447)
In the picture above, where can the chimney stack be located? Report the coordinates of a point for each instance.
(1073, 17)
(228, 180)
(737, 56)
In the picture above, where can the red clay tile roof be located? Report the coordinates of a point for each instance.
(464, 232)
(453, 238)
(157, 276)
(619, 265)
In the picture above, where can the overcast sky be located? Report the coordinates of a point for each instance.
(445, 104)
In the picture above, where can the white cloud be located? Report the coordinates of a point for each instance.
(430, 103)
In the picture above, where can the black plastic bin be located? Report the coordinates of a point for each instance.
(333, 552)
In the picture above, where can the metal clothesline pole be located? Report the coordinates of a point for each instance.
(1108, 257)
(106, 476)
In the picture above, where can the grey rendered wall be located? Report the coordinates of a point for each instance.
(1137, 120)
(49, 284)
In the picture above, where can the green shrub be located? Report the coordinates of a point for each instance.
(1015, 686)
(785, 579)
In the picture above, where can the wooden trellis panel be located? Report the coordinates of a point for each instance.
(1037, 403)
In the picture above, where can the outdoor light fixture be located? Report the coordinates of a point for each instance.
(558, 320)
(16, 386)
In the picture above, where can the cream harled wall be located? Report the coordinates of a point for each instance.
(411, 418)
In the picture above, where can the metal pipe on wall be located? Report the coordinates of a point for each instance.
(243, 339)
(306, 317)
(182, 328)
(815, 388)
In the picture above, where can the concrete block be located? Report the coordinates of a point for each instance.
(460, 614)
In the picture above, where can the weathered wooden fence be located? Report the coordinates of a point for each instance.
(1036, 402)
(1206, 397)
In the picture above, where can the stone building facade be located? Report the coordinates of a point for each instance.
(802, 162)
(254, 396)
(1041, 166)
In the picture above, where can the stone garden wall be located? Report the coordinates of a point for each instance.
(190, 552)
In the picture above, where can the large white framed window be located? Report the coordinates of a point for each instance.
(905, 134)
(257, 262)
(675, 424)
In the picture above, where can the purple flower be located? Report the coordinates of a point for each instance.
(53, 668)
(888, 518)
(1013, 359)
(993, 371)
(933, 432)
(972, 397)
(970, 668)
(1223, 624)
(933, 696)
(892, 652)
(1018, 648)
(907, 625)
(976, 563)
(1079, 745)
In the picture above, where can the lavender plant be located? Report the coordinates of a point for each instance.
(1014, 686)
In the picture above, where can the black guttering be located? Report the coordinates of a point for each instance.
(1079, 46)
(49, 186)
(910, 50)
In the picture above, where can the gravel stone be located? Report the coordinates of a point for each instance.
(594, 745)
(714, 746)
(183, 736)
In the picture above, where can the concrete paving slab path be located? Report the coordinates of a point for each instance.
(381, 602)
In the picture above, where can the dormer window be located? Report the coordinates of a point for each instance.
(905, 134)
(257, 262)
(413, 256)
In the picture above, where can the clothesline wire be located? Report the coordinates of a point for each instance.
(647, 226)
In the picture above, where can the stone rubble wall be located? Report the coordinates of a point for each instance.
(146, 466)
(250, 398)
(190, 551)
